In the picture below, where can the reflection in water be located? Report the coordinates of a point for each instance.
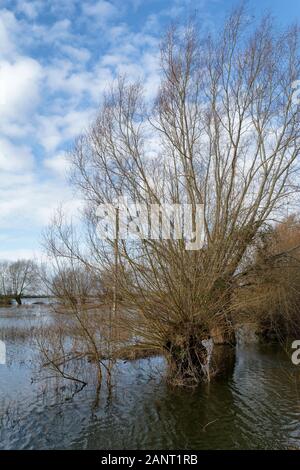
(258, 406)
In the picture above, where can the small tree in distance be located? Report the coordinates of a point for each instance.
(18, 278)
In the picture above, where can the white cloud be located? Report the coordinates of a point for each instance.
(16, 254)
(52, 76)
(80, 54)
(9, 28)
(60, 30)
(19, 87)
(59, 164)
(103, 10)
(31, 202)
(54, 130)
(63, 76)
(30, 9)
(14, 158)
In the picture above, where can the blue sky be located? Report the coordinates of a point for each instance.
(56, 58)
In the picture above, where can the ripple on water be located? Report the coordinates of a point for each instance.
(257, 407)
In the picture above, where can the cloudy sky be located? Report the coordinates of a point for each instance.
(56, 58)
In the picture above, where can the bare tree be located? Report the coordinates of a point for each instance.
(77, 283)
(18, 278)
(223, 132)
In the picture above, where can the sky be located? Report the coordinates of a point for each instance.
(56, 60)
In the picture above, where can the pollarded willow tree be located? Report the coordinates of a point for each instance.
(223, 132)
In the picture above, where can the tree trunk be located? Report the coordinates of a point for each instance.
(186, 354)
(18, 299)
(195, 354)
(187, 366)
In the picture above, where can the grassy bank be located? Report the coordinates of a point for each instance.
(5, 301)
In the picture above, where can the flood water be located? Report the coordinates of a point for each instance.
(256, 407)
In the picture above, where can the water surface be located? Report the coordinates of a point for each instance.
(257, 407)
